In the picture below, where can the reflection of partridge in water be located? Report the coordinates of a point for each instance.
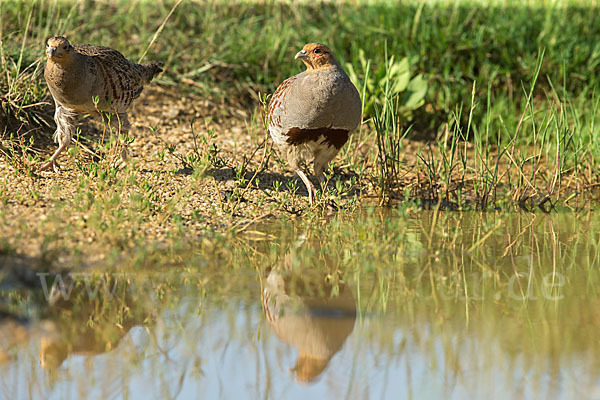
(85, 79)
(59, 343)
(307, 315)
(67, 330)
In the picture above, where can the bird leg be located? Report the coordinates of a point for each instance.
(321, 179)
(125, 126)
(64, 133)
(309, 186)
(319, 168)
(119, 128)
(331, 205)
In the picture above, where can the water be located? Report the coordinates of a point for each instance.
(405, 304)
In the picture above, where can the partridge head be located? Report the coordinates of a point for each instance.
(316, 56)
(59, 50)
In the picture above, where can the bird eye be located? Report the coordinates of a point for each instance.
(317, 51)
(64, 47)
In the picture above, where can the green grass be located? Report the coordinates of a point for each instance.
(451, 43)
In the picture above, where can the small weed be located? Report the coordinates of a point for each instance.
(19, 152)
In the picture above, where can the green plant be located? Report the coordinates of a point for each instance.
(391, 80)
(19, 152)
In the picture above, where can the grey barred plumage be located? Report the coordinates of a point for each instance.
(85, 79)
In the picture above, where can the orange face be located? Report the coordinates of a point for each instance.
(316, 55)
(58, 47)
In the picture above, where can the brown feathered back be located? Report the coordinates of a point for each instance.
(114, 58)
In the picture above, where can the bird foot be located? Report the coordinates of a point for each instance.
(312, 194)
(332, 207)
(119, 164)
(52, 164)
(122, 163)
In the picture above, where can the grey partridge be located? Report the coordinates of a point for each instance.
(312, 114)
(86, 79)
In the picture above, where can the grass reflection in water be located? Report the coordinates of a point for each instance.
(421, 303)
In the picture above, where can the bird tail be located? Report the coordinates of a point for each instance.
(151, 69)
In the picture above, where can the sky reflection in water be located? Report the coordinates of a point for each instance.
(457, 306)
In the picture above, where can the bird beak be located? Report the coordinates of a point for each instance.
(51, 51)
(301, 54)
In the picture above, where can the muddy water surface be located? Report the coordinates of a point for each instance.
(401, 304)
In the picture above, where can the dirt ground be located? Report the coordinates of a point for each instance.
(210, 195)
(161, 120)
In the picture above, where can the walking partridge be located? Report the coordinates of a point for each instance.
(85, 79)
(312, 114)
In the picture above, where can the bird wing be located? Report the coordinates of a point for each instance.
(121, 80)
(276, 104)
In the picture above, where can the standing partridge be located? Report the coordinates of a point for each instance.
(312, 114)
(85, 79)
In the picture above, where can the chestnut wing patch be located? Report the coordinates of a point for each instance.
(334, 137)
(277, 101)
